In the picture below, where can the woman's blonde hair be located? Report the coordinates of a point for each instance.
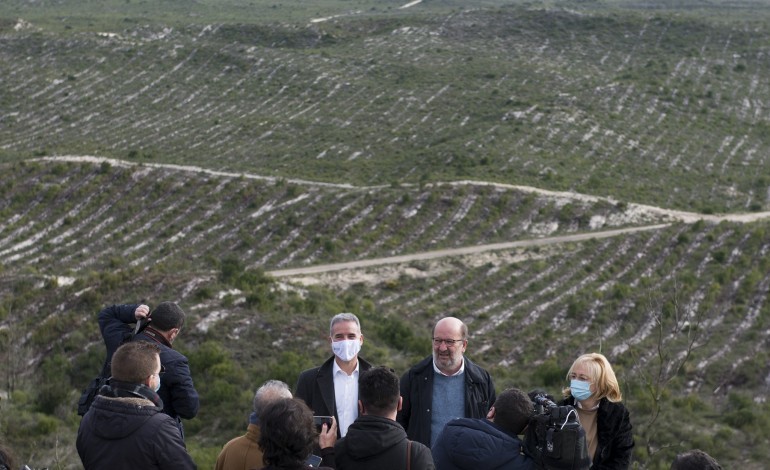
(602, 376)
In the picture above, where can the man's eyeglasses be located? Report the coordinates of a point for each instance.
(449, 342)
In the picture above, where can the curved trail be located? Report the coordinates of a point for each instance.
(669, 214)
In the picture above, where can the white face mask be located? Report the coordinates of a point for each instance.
(346, 349)
(157, 384)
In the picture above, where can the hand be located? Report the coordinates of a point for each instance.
(328, 436)
(141, 312)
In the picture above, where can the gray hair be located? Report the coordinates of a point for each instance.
(342, 317)
(270, 391)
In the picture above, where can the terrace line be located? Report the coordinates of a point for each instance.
(468, 250)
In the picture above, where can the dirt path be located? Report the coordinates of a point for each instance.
(464, 251)
(668, 214)
(673, 215)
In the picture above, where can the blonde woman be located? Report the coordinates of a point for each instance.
(595, 394)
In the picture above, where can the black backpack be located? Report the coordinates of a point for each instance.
(89, 394)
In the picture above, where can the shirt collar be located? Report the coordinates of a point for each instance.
(462, 368)
(336, 368)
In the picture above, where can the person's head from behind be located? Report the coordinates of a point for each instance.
(593, 371)
(168, 317)
(137, 362)
(7, 460)
(695, 460)
(379, 393)
(512, 410)
(287, 433)
(268, 392)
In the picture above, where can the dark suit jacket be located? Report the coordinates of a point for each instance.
(316, 387)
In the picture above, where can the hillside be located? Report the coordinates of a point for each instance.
(641, 105)
(563, 176)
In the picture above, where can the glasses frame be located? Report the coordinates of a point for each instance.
(450, 343)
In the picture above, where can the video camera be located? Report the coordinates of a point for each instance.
(554, 438)
(562, 416)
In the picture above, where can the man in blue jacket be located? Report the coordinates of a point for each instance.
(489, 444)
(180, 399)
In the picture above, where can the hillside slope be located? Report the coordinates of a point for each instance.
(663, 108)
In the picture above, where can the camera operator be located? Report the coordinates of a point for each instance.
(491, 443)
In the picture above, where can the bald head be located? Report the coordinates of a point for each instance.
(455, 325)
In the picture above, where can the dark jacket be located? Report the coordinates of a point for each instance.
(478, 444)
(377, 443)
(180, 399)
(613, 431)
(130, 433)
(417, 394)
(304, 467)
(316, 387)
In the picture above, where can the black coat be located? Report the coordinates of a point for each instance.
(180, 399)
(417, 394)
(376, 443)
(130, 433)
(613, 432)
(316, 387)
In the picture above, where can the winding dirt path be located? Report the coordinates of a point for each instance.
(670, 215)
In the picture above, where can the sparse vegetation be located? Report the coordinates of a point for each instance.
(388, 111)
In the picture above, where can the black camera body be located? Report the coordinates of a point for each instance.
(562, 416)
(554, 438)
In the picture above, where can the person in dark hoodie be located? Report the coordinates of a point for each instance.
(125, 427)
(488, 444)
(375, 441)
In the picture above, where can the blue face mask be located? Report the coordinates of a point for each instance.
(580, 390)
(157, 385)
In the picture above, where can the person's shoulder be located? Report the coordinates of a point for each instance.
(475, 369)
(612, 406)
(364, 364)
(470, 425)
(420, 366)
(308, 374)
(423, 454)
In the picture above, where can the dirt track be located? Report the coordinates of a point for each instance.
(667, 214)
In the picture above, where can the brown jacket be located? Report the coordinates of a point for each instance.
(242, 453)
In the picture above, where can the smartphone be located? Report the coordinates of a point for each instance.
(313, 461)
(320, 420)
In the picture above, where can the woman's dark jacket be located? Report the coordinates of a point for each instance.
(130, 433)
(417, 394)
(613, 431)
(479, 444)
(377, 443)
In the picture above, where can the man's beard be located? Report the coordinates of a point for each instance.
(447, 360)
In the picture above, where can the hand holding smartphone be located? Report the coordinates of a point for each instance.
(319, 421)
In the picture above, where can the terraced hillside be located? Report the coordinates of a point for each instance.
(498, 163)
(681, 309)
(641, 105)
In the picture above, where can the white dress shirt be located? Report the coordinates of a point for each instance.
(345, 397)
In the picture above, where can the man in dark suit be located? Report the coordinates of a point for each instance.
(332, 388)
